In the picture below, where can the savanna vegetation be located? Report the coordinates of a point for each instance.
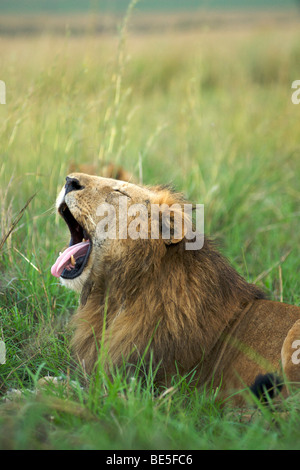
(208, 110)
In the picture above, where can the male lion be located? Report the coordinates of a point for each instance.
(187, 310)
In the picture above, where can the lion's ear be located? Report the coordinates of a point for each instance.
(172, 224)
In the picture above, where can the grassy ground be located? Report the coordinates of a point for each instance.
(208, 111)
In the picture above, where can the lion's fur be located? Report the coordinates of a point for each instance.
(193, 308)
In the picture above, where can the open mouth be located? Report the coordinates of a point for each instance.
(72, 261)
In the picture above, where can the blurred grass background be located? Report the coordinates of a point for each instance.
(199, 98)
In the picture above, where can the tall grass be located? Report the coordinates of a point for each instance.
(209, 112)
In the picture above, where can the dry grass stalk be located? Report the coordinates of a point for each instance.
(15, 222)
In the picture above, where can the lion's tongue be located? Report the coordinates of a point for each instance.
(64, 260)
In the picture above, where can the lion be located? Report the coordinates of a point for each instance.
(183, 311)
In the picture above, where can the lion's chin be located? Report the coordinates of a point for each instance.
(77, 283)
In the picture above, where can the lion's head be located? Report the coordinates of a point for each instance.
(101, 213)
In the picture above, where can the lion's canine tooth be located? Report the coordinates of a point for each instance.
(73, 262)
(84, 240)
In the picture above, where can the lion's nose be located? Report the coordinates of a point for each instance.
(72, 184)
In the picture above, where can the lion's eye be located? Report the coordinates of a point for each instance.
(121, 192)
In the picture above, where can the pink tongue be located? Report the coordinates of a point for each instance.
(64, 260)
